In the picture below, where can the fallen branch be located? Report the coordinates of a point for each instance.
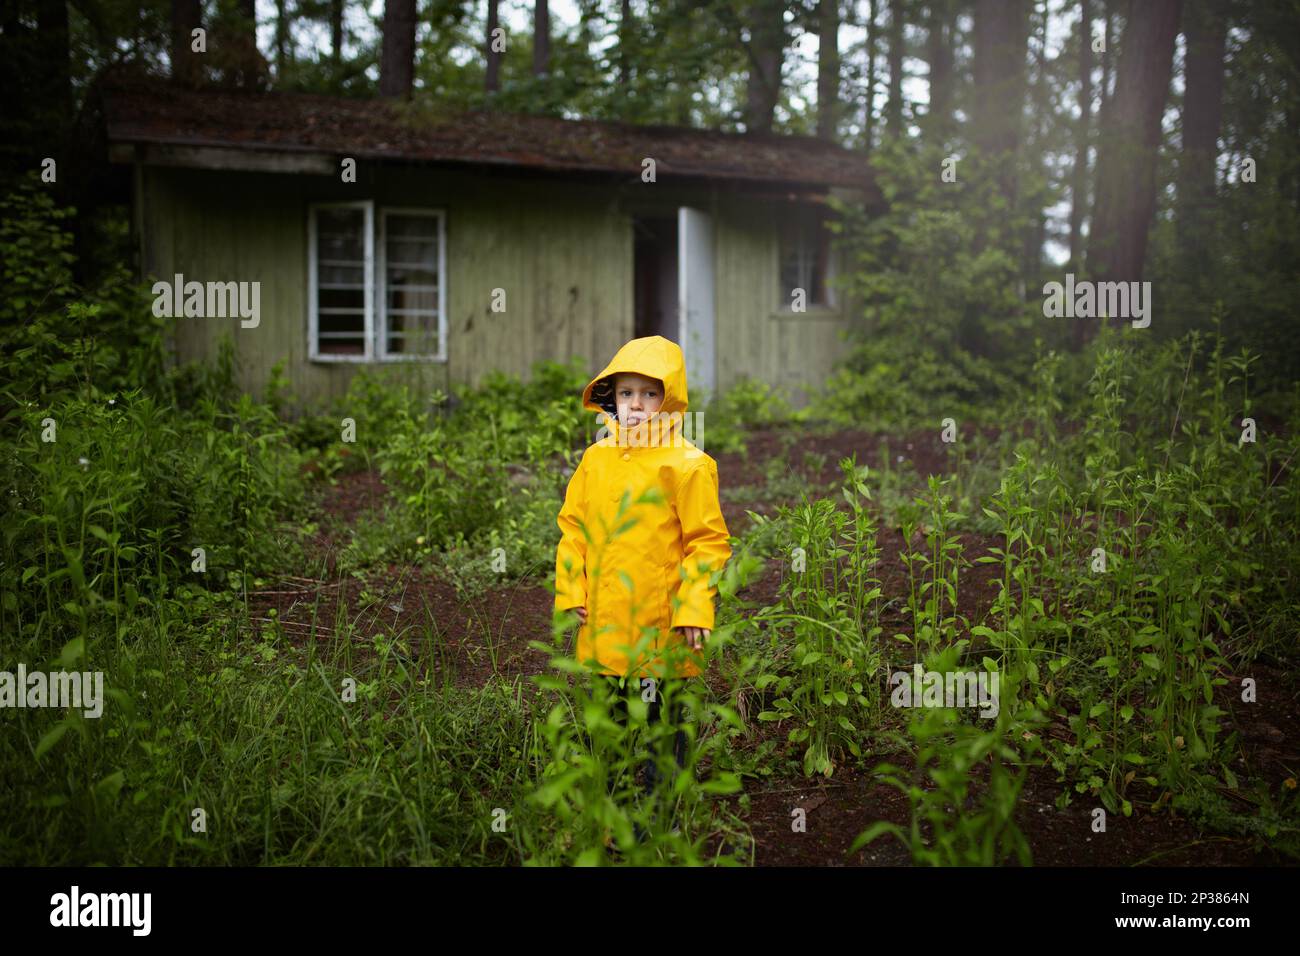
(276, 620)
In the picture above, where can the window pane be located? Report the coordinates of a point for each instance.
(340, 234)
(406, 225)
(790, 278)
(342, 275)
(819, 264)
(340, 281)
(413, 334)
(804, 258)
(349, 345)
(413, 297)
(793, 272)
(411, 284)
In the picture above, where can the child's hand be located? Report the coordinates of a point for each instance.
(582, 614)
(695, 636)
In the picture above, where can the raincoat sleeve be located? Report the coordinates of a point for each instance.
(571, 581)
(704, 542)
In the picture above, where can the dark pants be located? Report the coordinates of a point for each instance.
(650, 770)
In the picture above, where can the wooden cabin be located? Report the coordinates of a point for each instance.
(449, 245)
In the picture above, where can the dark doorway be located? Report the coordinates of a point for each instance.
(654, 277)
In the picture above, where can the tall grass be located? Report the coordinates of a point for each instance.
(1134, 664)
(1140, 558)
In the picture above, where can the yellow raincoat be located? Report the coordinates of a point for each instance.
(664, 551)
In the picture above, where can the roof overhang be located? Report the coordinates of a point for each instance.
(223, 157)
(153, 123)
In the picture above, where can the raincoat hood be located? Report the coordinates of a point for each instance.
(654, 357)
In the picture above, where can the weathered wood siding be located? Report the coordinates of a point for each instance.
(562, 250)
(794, 350)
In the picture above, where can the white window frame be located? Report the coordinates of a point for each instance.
(381, 312)
(375, 332)
(313, 292)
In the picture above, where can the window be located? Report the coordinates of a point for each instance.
(340, 276)
(805, 259)
(376, 286)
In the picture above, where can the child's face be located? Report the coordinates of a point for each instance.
(637, 397)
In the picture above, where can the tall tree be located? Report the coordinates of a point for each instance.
(541, 38)
(187, 16)
(626, 37)
(281, 39)
(1205, 28)
(397, 56)
(52, 21)
(894, 105)
(1035, 150)
(766, 50)
(1079, 176)
(1126, 157)
(1082, 144)
(939, 45)
(232, 46)
(336, 31)
(1000, 42)
(828, 69)
(1110, 33)
(870, 44)
(492, 57)
(248, 20)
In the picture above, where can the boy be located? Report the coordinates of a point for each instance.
(663, 547)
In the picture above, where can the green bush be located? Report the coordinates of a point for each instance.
(56, 337)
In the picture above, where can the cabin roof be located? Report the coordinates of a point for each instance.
(144, 112)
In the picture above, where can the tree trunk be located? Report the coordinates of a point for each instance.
(52, 24)
(493, 58)
(1205, 29)
(1079, 179)
(336, 31)
(1126, 157)
(1079, 175)
(939, 51)
(281, 39)
(187, 16)
(1040, 109)
(894, 105)
(1107, 61)
(626, 32)
(397, 57)
(541, 38)
(248, 15)
(1000, 41)
(767, 49)
(869, 120)
(828, 69)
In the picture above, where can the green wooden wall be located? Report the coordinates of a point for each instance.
(764, 341)
(562, 250)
